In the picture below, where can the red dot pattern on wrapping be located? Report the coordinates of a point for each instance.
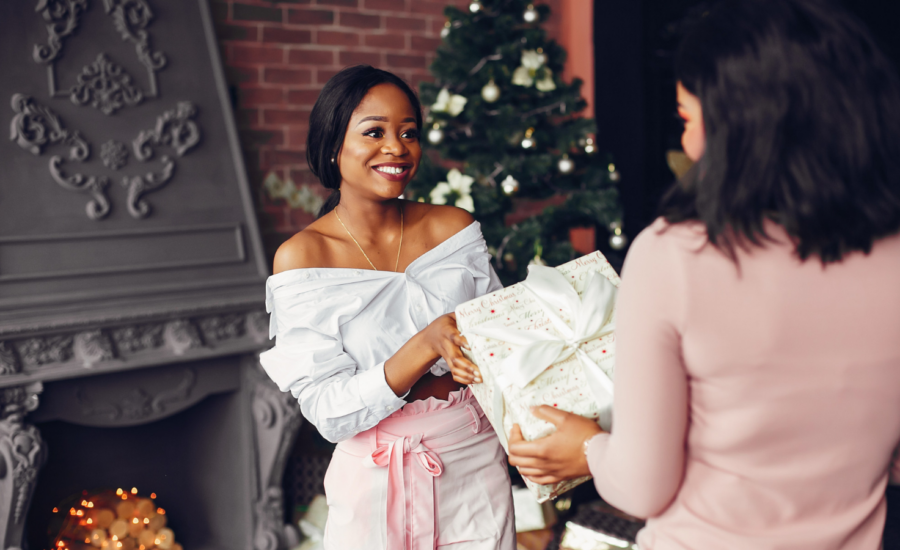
(554, 404)
(492, 311)
(492, 355)
(604, 351)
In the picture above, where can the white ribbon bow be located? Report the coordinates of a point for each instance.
(592, 315)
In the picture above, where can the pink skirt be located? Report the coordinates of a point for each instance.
(432, 475)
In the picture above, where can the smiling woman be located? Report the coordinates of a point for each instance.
(361, 304)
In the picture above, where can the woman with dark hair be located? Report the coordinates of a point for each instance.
(758, 380)
(360, 304)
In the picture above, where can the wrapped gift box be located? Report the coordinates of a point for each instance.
(548, 340)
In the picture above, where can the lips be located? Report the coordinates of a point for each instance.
(393, 171)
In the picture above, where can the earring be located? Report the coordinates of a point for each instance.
(332, 160)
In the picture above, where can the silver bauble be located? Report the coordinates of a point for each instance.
(527, 143)
(509, 185)
(565, 165)
(618, 241)
(614, 176)
(490, 92)
(531, 14)
(445, 32)
(435, 135)
(475, 6)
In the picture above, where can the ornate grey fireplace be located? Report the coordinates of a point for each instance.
(131, 277)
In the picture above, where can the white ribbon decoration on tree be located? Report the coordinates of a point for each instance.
(592, 315)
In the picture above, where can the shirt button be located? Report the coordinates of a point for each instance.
(389, 408)
(358, 273)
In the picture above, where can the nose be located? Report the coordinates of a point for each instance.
(393, 145)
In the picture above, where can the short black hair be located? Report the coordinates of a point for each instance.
(331, 114)
(802, 116)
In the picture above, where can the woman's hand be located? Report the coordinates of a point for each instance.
(560, 455)
(445, 340)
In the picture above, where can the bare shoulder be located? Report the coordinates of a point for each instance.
(441, 221)
(304, 250)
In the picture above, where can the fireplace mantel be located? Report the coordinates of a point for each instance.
(131, 271)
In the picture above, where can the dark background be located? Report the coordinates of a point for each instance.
(634, 44)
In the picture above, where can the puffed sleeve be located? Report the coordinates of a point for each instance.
(335, 394)
(639, 467)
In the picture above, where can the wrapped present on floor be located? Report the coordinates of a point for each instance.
(548, 340)
(599, 526)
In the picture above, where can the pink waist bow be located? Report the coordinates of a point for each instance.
(413, 463)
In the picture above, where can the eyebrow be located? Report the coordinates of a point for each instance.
(382, 119)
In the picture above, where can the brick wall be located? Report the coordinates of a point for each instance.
(279, 54)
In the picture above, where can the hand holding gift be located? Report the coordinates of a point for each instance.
(546, 341)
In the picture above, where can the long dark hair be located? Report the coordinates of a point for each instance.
(331, 114)
(802, 116)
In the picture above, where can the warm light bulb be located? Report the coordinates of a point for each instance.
(160, 511)
(153, 495)
(135, 520)
(146, 520)
(119, 491)
(55, 510)
(90, 521)
(134, 490)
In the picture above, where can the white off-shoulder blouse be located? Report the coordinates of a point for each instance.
(335, 328)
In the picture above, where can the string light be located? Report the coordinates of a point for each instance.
(153, 496)
(134, 490)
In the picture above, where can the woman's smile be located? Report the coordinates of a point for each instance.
(393, 171)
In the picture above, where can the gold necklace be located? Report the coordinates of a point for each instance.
(399, 248)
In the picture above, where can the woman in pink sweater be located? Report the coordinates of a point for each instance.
(757, 396)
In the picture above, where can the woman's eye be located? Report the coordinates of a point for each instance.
(374, 132)
(411, 134)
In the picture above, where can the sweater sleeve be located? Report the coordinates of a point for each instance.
(639, 467)
(338, 396)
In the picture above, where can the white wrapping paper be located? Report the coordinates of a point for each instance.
(546, 341)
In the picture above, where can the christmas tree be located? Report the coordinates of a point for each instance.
(501, 116)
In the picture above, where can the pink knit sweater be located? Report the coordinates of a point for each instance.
(757, 406)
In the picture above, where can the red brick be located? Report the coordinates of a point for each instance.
(426, 6)
(385, 5)
(256, 54)
(422, 44)
(343, 3)
(255, 138)
(241, 75)
(281, 116)
(301, 218)
(310, 17)
(286, 36)
(254, 97)
(331, 38)
(243, 12)
(287, 76)
(237, 32)
(360, 58)
(324, 75)
(296, 137)
(311, 57)
(303, 175)
(405, 24)
(274, 158)
(418, 78)
(414, 61)
(360, 20)
(303, 97)
(390, 41)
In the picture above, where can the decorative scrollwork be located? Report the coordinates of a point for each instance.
(9, 359)
(114, 154)
(139, 404)
(42, 350)
(34, 126)
(62, 20)
(175, 129)
(105, 86)
(131, 18)
(92, 347)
